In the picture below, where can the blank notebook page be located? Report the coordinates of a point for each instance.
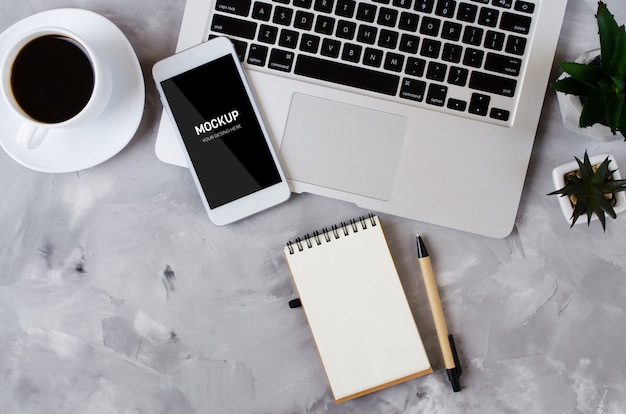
(357, 310)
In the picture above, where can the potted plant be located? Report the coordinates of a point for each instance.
(595, 84)
(590, 187)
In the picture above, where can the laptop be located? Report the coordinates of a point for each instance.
(423, 109)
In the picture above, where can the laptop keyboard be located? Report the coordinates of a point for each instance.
(462, 57)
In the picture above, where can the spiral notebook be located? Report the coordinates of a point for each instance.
(356, 308)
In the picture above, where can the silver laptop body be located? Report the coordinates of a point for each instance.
(440, 158)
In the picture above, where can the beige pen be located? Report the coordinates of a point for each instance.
(446, 342)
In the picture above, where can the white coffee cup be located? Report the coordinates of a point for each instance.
(53, 79)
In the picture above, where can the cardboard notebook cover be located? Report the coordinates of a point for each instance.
(356, 307)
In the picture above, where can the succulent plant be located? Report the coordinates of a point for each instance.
(601, 84)
(591, 190)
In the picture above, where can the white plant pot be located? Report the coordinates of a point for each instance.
(571, 107)
(558, 178)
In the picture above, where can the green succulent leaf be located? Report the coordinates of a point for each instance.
(618, 84)
(586, 169)
(617, 62)
(594, 110)
(601, 175)
(608, 31)
(572, 86)
(614, 105)
(588, 74)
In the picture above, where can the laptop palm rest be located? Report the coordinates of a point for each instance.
(341, 146)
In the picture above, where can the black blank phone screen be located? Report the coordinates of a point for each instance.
(220, 131)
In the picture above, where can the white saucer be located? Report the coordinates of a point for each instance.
(86, 146)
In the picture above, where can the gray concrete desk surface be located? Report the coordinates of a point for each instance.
(118, 296)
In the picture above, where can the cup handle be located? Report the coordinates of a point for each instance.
(30, 136)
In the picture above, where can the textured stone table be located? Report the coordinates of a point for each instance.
(117, 295)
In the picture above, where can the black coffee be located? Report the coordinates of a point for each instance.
(52, 79)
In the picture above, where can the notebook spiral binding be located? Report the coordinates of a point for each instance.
(335, 232)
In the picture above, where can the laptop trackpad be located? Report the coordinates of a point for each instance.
(342, 146)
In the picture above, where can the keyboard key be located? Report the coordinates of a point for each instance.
(413, 89)
(268, 34)
(473, 57)
(451, 31)
(457, 105)
(324, 6)
(404, 4)
(436, 94)
(492, 84)
(257, 55)
(388, 39)
(310, 43)
(488, 17)
(424, 6)
(524, 6)
(445, 8)
(436, 71)
(303, 20)
(281, 60)
(409, 43)
(494, 40)
(367, 34)
(282, 16)
(451, 53)
(473, 36)
(346, 29)
(408, 21)
(394, 62)
(516, 45)
(343, 74)
(387, 17)
(239, 7)
(305, 4)
(503, 3)
(430, 26)
(373, 57)
(325, 25)
(467, 12)
(499, 114)
(345, 8)
(458, 76)
(479, 104)
(330, 48)
(415, 67)
(240, 48)
(351, 52)
(430, 48)
(503, 64)
(288, 38)
(262, 11)
(366, 12)
(515, 23)
(233, 26)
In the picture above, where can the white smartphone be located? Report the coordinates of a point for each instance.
(229, 152)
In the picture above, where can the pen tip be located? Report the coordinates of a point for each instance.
(421, 248)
